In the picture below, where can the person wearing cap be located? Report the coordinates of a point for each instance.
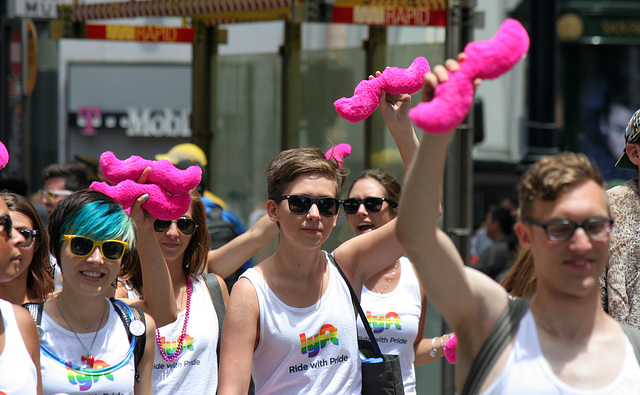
(620, 282)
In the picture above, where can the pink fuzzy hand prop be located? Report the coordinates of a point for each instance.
(451, 349)
(485, 59)
(393, 80)
(168, 187)
(338, 153)
(4, 156)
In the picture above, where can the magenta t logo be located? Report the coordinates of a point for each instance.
(88, 113)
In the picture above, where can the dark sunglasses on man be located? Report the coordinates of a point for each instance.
(301, 204)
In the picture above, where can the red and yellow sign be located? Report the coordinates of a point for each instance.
(140, 33)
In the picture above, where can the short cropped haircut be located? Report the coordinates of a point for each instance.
(92, 214)
(391, 186)
(76, 175)
(552, 175)
(290, 164)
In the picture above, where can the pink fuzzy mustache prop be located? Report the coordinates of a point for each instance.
(4, 156)
(393, 80)
(485, 59)
(338, 153)
(168, 187)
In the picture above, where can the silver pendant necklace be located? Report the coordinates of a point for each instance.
(88, 358)
(393, 274)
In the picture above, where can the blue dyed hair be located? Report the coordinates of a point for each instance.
(92, 214)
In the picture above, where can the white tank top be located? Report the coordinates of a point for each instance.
(110, 348)
(310, 350)
(196, 369)
(528, 373)
(394, 318)
(18, 373)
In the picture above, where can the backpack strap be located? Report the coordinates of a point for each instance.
(35, 309)
(497, 340)
(634, 337)
(218, 303)
(127, 315)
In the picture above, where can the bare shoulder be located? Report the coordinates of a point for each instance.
(27, 327)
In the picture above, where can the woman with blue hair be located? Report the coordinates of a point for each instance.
(88, 341)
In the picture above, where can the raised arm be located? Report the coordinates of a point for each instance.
(468, 300)
(395, 112)
(228, 258)
(158, 300)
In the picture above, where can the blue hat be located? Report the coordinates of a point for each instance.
(631, 135)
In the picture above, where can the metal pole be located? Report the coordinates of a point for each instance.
(458, 187)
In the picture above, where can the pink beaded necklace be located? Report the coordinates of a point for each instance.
(184, 327)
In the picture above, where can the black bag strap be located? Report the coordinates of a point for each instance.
(634, 337)
(35, 309)
(356, 304)
(505, 329)
(123, 310)
(218, 303)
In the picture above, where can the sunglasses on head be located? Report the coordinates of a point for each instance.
(371, 204)
(82, 246)
(29, 235)
(186, 226)
(301, 204)
(52, 194)
(7, 224)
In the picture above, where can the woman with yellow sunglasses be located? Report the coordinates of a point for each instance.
(88, 341)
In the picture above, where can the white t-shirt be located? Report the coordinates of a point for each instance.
(110, 348)
(18, 373)
(528, 373)
(394, 318)
(196, 369)
(309, 350)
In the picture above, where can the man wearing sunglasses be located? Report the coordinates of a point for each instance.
(562, 342)
(61, 180)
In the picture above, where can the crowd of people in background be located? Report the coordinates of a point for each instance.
(121, 302)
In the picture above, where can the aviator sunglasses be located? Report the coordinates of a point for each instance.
(82, 246)
(371, 204)
(301, 204)
(186, 226)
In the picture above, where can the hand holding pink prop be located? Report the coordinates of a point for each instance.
(338, 153)
(4, 156)
(393, 80)
(168, 187)
(485, 59)
(451, 349)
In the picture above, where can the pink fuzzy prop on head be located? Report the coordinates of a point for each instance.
(485, 59)
(4, 156)
(167, 186)
(338, 153)
(451, 348)
(393, 80)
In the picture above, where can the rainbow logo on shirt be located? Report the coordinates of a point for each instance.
(381, 322)
(170, 347)
(84, 380)
(313, 344)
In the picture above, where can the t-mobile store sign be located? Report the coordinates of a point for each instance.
(135, 122)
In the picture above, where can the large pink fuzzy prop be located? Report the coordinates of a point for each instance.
(393, 80)
(168, 187)
(338, 153)
(4, 156)
(485, 59)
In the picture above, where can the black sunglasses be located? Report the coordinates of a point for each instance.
(29, 235)
(186, 226)
(371, 204)
(7, 224)
(82, 246)
(301, 204)
(563, 230)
